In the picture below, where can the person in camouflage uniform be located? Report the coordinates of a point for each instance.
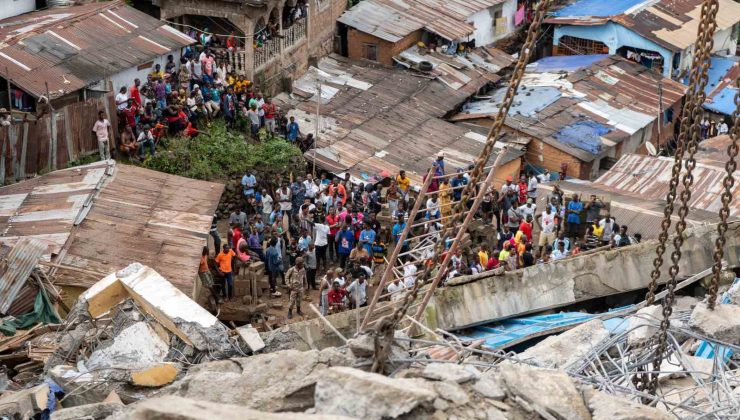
(296, 277)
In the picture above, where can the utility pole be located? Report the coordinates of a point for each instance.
(318, 118)
(660, 110)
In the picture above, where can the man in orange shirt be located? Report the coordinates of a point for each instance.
(225, 261)
(339, 189)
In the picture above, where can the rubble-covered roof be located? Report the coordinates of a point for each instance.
(713, 151)
(376, 120)
(70, 48)
(672, 24)
(101, 217)
(391, 20)
(617, 95)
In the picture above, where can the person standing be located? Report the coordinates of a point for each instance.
(311, 266)
(345, 240)
(225, 261)
(404, 184)
(293, 130)
(326, 284)
(274, 263)
(532, 186)
(135, 94)
(321, 240)
(574, 216)
(334, 221)
(267, 204)
(204, 273)
(296, 277)
(270, 111)
(593, 209)
(102, 131)
(546, 221)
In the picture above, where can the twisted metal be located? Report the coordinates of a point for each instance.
(726, 198)
(387, 325)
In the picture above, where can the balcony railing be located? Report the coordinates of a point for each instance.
(269, 50)
(293, 34)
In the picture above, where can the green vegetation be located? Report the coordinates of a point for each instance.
(220, 154)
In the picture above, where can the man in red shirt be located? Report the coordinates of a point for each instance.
(236, 234)
(526, 227)
(335, 223)
(523, 189)
(129, 113)
(270, 112)
(336, 298)
(135, 95)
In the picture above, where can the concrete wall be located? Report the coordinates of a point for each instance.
(10, 8)
(484, 299)
(483, 22)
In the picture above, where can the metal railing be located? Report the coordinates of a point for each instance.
(294, 33)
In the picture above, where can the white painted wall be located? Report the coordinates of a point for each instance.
(483, 21)
(10, 8)
(126, 77)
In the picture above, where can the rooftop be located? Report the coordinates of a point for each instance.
(101, 217)
(583, 112)
(73, 47)
(720, 87)
(376, 120)
(392, 20)
(672, 24)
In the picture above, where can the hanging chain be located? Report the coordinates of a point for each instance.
(707, 27)
(724, 212)
(386, 326)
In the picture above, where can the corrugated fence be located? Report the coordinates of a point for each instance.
(53, 141)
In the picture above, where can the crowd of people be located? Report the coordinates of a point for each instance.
(185, 96)
(330, 234)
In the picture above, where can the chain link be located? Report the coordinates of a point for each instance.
(387, 325)
(724, 212)
(693, 113)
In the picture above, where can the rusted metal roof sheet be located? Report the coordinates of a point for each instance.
(672, 24)
(612, 91)
(647, 178)
(713, 151)
(15, 269)
(392, 20)
(457, 71)
(145, 216)
(74, 47)
(394, 123)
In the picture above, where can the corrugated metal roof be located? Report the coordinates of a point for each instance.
(647, 178)
(119, 214)
(73, 47)
(713, 151)
(612, 91)
(392, 123)
(672, 24)
(16, 268)
(392, 20)
(720, 89)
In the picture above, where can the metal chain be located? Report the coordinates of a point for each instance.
(386, 326)
(724, 212)
(707, 27)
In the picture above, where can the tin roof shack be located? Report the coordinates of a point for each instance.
(376, 121)
(71, 52)
(98, 218)
(720, 89)
(636, 188)
(656, 33)
(584, 111)
(378, 30)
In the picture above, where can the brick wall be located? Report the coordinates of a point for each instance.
(545, 156)
(386, 50)
(322, 25)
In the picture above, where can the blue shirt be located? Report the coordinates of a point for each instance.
(368, 237)
(397, 230)
(303, 243)
(249, 182)
(346, 241)
(575, 207)
(458, 184)
(292, 131)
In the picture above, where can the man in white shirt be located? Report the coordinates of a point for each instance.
(102, 131)
(544, 177)
(395, 287)
(560, 252)
(722, 128)
(357, 292)
(267, 203)
(532, 187)
(321, 239)
(527, 209)
(546, 221)
(122, 99)
(607, 224)
(409, 274)
(312, 189)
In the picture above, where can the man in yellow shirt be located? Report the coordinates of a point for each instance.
(483, 256)
(404, 184)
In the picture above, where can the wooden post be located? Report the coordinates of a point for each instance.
(7, 83)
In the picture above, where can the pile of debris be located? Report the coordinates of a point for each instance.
(127, 335)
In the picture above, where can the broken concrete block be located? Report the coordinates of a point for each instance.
(452, 392)
(362, 346)
(450, 372)
(489, 387)
(24, 404)
(609, 407)
(177, 408)
(550, 390)
(563, 349)
(641, 324)
(722, 323)
(251, 338)
(136, 347)
(354, 393)
(155, 376)
(158, 297)
(97, 411)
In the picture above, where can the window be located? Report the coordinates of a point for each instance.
(668, 116)
(145, 66)
(370, 52)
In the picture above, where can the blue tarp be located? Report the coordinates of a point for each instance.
(585, 135)
(598, 8)
(722, 102)
(518, 330)
(566, 63)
